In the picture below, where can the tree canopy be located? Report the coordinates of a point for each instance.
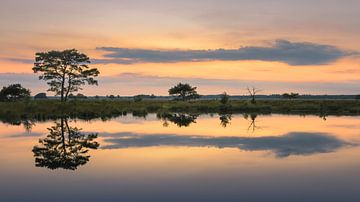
(184, 92)
(14, 92)
(224, 98)
(290, 95)
(65, 71)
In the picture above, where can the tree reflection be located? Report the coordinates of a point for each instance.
(225, 119)
(28, 125)
(17, 121)
(252, 118)
(181, 120)
(64, 147)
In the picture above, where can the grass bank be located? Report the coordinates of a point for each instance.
(89, 109)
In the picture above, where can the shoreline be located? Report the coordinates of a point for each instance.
(90, 109)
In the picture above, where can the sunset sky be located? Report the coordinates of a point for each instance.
(147, 46)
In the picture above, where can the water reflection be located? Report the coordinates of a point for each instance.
(294, 143)
(252, 119)
(28, 124)
(180, 119)
(305, 159)
(225, 119)
(64, 147)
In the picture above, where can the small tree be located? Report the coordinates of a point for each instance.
(81, 96)
(138, 98)
(290, 96)
(65, 71)
(14, 92)
(184, 92)
(252, 93)
(40, 96)
(71, 96)
(224, 98)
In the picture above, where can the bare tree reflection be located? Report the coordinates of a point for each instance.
(181, 120)
(64, 147)
(252, 119)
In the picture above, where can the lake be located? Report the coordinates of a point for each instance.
(181, 157)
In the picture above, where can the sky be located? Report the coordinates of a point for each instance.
(147, 46)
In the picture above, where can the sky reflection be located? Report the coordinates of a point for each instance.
(293, 143)
(305, 160)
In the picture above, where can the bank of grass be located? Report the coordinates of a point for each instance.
(88, 109)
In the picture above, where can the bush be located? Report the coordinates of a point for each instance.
(224, 98)
(14, 92)
(40, 96)
(138, 98)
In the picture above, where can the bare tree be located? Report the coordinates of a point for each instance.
(252, 93)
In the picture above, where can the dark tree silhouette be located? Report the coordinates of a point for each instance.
(138, 98)
(184, 92)
(65, 71)
(64, 147)
(252, 93)
(290, 95)
(225, 119)
(224, 98)
(40, 96)
(181, 120)
(14, 92)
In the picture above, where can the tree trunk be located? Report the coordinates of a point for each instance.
(68, 90)
(63, 136)
(62, 87)
(183, 96)
(68, 129)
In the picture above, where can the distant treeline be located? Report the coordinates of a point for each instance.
(216, 97)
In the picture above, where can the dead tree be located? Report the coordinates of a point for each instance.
(252, 93)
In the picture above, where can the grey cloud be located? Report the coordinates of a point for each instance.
(20, 60)
(21, 135)
(292, 53)
(295, 143)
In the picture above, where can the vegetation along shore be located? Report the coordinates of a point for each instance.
(89, 109)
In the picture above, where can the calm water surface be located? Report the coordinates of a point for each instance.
(182, 158)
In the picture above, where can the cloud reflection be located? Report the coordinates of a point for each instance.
(294, 143)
